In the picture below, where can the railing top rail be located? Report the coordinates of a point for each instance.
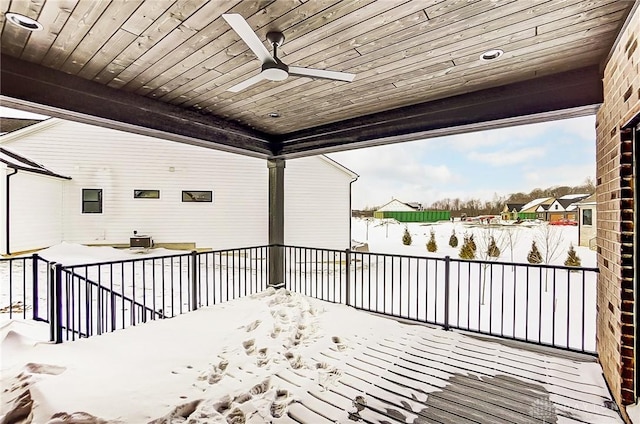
(150, 258)
(110, 291)
(424, 257)
(444, 258)
(527, 264)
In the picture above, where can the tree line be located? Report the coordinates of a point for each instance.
(474, 207)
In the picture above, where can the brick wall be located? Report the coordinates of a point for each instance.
(614, 180)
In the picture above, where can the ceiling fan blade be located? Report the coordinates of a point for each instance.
(246, 83)
(242, 28)
(321, 73)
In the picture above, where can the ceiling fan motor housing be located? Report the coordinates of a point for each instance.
(275, 71)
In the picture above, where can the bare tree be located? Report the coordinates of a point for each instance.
(549, 239)
(490, 244)
(511, 236)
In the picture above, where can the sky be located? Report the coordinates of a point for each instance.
(475, 165)
(6, 112)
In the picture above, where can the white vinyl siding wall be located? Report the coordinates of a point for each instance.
(119, 163)
(316, 213)
(316, 190)
(35, 211)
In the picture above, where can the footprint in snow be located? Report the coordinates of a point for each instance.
(236, 416)
(34, 368)
(327, 375)
(249, 346)
(295, 361)
(280, 403)
(339, 343)
(262, 358)
(253, 325)
(276, 331)
(261, 388)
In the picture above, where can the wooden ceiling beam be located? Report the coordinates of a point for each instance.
(558, 96)
(34, 88)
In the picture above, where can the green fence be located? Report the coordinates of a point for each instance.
(415, 216)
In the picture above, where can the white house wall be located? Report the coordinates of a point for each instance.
(35, 211)
(119, 163)
(316, 213)
(316, 198)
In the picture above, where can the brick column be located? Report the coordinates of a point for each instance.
(615, 177)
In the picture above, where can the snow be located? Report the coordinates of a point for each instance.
(574, 196)
(384, 236)
(202, 363)
(534, 202)
(223, 357)
(76, 254)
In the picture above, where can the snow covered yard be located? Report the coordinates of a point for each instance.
(283, 357)
(385, 236)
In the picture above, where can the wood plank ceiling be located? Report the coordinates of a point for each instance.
(163, 67)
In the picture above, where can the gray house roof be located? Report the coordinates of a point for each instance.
(21, 163)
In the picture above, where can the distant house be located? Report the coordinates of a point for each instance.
(410, 212)
(561, 208)
(396, 206)
(511, 212)
(531, 208)
(78, 183)
(587, 222)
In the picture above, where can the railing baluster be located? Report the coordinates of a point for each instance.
(56, 316)
(34, 277)
(447, 289)
(194, 280)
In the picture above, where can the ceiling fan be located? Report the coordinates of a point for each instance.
(272, 68)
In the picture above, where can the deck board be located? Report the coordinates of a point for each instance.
(427, 375)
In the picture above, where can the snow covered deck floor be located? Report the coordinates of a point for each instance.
(280, 357)
(429, 376)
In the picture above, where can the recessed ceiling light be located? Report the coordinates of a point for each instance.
(24, 22)
(273, 114)
(491, 55)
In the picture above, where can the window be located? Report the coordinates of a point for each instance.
(146, 194)
(91, 200)
(197, 196)
(587, 217)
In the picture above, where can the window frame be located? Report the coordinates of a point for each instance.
(192, 197)
(86, 203)
(590, 217)
(137, 192)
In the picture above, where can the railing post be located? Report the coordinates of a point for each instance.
(194, 280)
(34, 278)
(57, 312)
(348, 277)
(51, 301)
(447, 284)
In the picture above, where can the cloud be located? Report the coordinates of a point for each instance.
(508, 156)
(543, 155)
(570, 175)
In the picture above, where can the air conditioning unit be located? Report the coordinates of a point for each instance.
(142, 242)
